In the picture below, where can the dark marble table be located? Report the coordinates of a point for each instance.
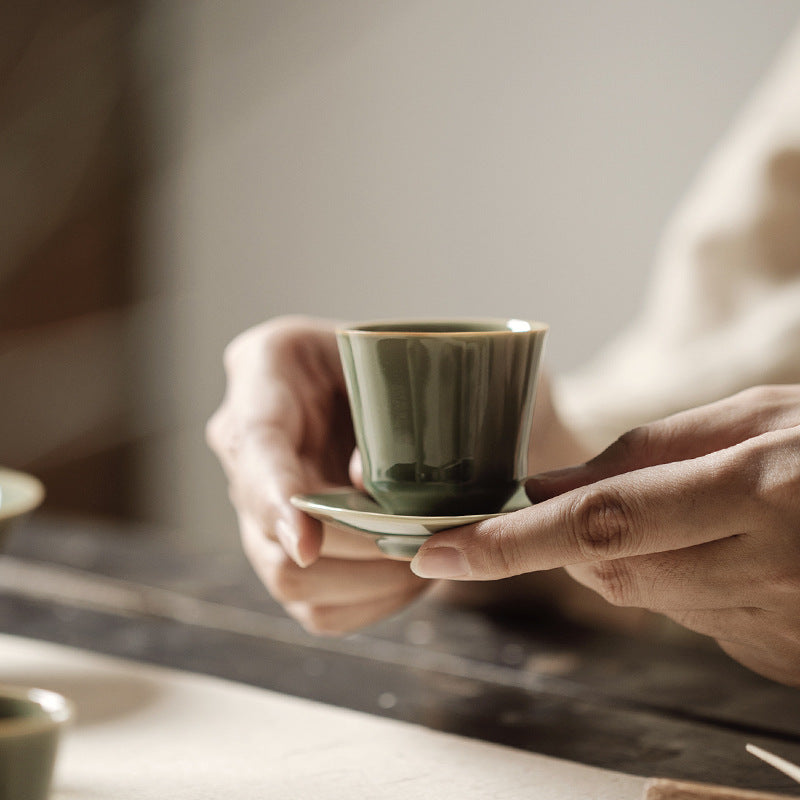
(534, 681)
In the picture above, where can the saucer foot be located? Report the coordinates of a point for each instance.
(400, 546)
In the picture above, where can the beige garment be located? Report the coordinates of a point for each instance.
(723, 309)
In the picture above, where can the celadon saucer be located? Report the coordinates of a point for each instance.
(396, 535)
(19, 494)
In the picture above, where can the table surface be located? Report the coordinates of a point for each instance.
(142, 732)
(646, 706)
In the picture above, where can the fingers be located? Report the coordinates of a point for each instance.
(264, 471)
(552, 443)
(332, 581)
(338, 620)
(683, 436)
(708, 576)
(283, 427)
(661, 508)
(268, 472)
(338, 543)
(333, 595)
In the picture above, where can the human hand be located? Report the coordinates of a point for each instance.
(284, 428)
(696, 516)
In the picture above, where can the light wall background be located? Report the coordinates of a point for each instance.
(368, 158)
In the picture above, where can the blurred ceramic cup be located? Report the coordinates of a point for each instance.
(20, 493)
(442, 410)
(31, 721)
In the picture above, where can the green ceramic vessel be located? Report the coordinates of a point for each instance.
(30, 724)
(19, 494)
(442, 410)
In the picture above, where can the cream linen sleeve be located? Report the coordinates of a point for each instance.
(723, 307)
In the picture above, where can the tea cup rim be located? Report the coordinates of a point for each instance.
(57, 710)
(370, 327)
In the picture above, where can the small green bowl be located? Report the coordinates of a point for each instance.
(20, 493)
(31, 721)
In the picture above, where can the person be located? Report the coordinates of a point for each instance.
(692, 507)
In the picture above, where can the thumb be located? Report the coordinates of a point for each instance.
(653, 510)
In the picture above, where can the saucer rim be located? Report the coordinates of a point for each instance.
(302, 502)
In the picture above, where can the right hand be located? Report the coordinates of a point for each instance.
(284, 428)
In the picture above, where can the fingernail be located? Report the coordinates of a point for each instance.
(440, 562)
(288, 537)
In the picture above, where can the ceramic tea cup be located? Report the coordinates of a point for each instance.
(30, 725)
(20, 493)
(442, 410)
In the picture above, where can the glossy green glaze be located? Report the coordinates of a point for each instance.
(442, 410)
(30, 724)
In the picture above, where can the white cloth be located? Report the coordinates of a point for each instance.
(723, 310)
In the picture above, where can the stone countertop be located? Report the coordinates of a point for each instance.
(536, 682)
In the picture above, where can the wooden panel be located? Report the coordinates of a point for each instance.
(660, 789)
(68, 130)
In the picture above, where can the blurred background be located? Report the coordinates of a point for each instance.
(172, 173)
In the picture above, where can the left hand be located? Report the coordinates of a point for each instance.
(696, 516)
(284, 428)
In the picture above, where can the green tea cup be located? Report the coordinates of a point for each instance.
(30, 725)
(442, 410)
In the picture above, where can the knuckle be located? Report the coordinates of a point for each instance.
(276, 334)
(613, 582)
(748, 395)
(762, 395)
(785, 581)
(727, 479)
(601, 523)
(224, 438)
(776, 406)
(261, 343)
(232, 354)
(770, 464)
(633, 445)
(215, 430)
(268, 335)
